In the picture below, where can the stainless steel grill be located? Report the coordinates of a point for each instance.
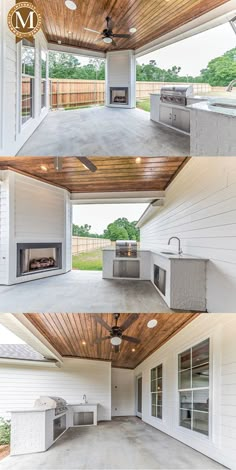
(56, 403)
(126, 249)
(176, 94)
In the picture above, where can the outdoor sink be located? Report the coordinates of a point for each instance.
(168, 253)
(224, 105)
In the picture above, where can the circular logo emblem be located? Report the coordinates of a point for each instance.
(24, 20)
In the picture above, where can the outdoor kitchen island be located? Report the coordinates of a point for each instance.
(180, 279)
(36, 429)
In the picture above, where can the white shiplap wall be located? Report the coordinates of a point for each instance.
(20, 386)
(200, 209)
(122, 392)
(220, 329)
(12, 134)
(4, 227)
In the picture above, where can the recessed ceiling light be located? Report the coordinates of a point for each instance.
(133, 350)
(132, 30)
(116, 341)
(70, 4)
(69, 32)
(84, 343)
(152, 323)
(138, 159)
(43, 167)
(107, 40)
(59, 42)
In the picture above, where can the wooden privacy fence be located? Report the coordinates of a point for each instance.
(84, 244)
(73, 93)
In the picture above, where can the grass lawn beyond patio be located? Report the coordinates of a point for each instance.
(144, 105)
(90, 261)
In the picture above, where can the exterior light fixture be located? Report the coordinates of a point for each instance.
(132, 30)
(138, 159)
(152, 323)
(133, 350)
(84, 343)
(107, 40)
(116, 341)
(70, 4)
(59, 42)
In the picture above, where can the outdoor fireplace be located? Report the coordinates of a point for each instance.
(38, 257)
(119, 95)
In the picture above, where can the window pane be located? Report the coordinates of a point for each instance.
(159, 385)
(185, 379)
(159, 412)
(200, 376)
(159, 399)
(154, 411)
(185, 360)
(154, 386)
(27, 58)
(185, 400)
(159, 371)
(185, 418)
(43, 64)
(201, 400)
(154, 399)
(200, 422)
(200, 353)
(153, 373)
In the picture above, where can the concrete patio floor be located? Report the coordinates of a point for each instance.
(104, 131)
(81, 292)
(123, 443)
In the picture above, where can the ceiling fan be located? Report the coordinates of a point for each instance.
(107, 34)
(84, 160)
(116, 335)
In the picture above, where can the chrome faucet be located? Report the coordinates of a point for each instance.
(84, 398)
(231, 85)
(176, 238)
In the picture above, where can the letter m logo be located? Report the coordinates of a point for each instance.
(28, 23)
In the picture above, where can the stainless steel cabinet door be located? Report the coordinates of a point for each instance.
(181, 119)
(126, 269)
(166, 115)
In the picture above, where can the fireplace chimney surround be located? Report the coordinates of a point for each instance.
(38, 257)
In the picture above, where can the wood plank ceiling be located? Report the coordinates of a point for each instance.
(73, 335)
(113, 173)
(152, 18)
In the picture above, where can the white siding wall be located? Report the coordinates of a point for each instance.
(33, 211)
(221, 330)
(122, 392)
(200, 209)
(4, 227)
(20, 386)
(12, 136)
(121, 71)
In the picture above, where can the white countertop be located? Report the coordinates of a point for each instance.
(176, 256)
(82, 404)
(207, 106)
(31, 410)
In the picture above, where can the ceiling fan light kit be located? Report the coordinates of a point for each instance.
(116, 331)
(116, 341)
(152, 324)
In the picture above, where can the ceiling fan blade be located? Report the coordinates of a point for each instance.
(98, 40)
(121, 36)
(116, 349)
(92, 30)
(99, 340)
(131, 319)
(131, 339)
(110, 23)
(102, 322)
(87, 163)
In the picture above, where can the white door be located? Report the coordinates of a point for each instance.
(139, 396)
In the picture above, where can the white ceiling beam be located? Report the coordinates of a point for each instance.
(25, 330)
(116, 197)
(75, 50)
(216, 17)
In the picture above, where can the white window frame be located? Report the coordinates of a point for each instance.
(150, 390)
(21, 124)
(210, 407)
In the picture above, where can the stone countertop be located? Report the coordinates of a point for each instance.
(31, 410)
(195, 97)
(174, 256)
(207, 106)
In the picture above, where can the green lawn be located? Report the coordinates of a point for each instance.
(144, 104)
(91, 261)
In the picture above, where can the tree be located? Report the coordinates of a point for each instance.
(221, 70)
(81, 230)
(122, 229)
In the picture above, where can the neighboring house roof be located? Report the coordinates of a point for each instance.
(21, 352)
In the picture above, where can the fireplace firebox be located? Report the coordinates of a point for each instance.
(38, 257)
(119, 95)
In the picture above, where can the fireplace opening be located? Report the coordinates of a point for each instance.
(38, 257)
(119, 95)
